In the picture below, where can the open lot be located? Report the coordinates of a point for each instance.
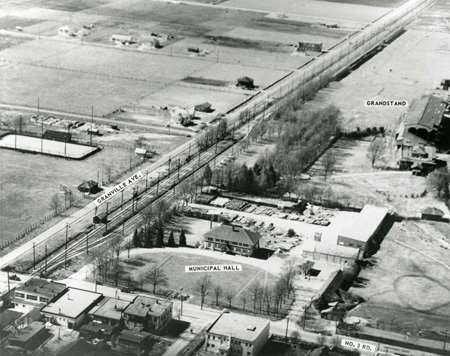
(411, 66)
(28, 180)
(173, 264)
(71, 74)
(355, 182)
(407, 288)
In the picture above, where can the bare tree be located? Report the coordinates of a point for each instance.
(376, 150)
(229, 295)
(108, 172)
(243, 300)
(203, 286)
(438, 182)
(156, 277)
(217, 293)
(55, 203)
(328, 162)
(255, 290)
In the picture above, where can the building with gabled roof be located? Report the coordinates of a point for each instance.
(237, 334)
(233, 239)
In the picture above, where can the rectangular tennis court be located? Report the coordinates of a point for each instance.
(49, 147)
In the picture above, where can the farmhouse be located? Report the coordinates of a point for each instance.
(233, 239)
(36, 293)
(124, 39)
(360, 232)
(71, 308)
(237, 334)
(148, 313)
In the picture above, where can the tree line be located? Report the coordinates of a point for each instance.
(212, 135)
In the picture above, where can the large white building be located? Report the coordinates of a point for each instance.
(70, 309)
(237, 334)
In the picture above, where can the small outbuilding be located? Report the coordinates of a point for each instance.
(432, 213)
(246, 83)
(89, 186)
(204, 107)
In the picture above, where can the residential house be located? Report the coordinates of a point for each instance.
(148, 313)
(134, 342)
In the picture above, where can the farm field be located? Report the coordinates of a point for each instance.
(71, 74)
(411, 66)
(174, 264)
(407, 288)
(339, 12)
(27, 183)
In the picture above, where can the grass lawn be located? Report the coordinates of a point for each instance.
(174, 264)
(407, 290)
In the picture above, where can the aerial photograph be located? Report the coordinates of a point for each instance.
(224, 177)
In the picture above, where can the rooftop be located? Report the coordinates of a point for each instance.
(72, 303)
(365, 225)
(23, 335)
(328, 245)
(8, 316)
(42, 287)
(426, 112)
(144, 305)
(134, 336)
(110, 308)
(234, 233)
(241, 326)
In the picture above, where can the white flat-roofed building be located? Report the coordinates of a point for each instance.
(237, 334)
(330, 252)
(71, 308)
(357, 233)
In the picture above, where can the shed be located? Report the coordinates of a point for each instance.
(432, 213)
(89, 186)
(204, 107)
(246, 83)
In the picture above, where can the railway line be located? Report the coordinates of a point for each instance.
(124, 210)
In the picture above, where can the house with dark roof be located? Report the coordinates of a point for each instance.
(232, 239)
(36, 293)
(29, 337)
(148, 313)
(134, 342)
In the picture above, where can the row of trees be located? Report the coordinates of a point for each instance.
(154, 237)
(260, 178)
(212, 135)
(152, 232)
(259, 298)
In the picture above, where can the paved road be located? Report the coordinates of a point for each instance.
(99, 119)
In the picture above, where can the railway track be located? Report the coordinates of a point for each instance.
(316, 72)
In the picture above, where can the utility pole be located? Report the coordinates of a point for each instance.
(106, 217)
(121, 200)
(65, 246)
(287, 327)
(92, 124)
(42, 136)
(45, 266)
(87, 244)
(157, 185)
(179, 165)
(34, 255)
(146, 179)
